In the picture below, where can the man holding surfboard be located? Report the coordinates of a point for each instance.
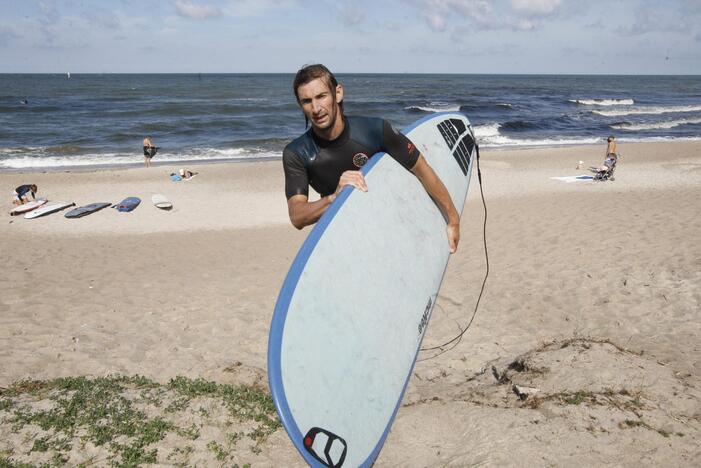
(330, 154)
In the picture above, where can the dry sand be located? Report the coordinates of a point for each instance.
(593, 299)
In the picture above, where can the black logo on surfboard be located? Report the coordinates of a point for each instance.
(425, 316)
(327, 448)
(459, 140)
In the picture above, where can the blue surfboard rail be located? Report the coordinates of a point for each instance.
(282, 305)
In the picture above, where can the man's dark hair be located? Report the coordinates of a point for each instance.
(310, 73)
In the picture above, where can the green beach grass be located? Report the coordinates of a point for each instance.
(132, 421)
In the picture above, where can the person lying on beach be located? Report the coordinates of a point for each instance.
(330, 153)
(149, 151)
(21, 194)
(187, 174)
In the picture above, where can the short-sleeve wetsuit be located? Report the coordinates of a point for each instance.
(311, 160)
(22, 190)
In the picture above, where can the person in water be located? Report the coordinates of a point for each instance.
(330, 153)
(149, 151)
(21, 194)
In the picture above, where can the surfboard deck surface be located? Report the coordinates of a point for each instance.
(86, 210)
(354, 307)
(32, 205)
(48, 209)
(128, 204)
(160, 201)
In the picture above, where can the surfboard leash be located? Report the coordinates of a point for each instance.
(456, 340)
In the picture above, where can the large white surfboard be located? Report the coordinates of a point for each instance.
(355, 304)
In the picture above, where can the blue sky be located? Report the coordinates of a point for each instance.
(425, 36)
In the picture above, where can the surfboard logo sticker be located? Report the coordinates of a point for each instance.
(326, 447)
(359, 159)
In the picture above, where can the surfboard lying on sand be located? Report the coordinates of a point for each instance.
(32, 205)
(160, 201)
(356, 302)
(128, 204)
(48, 209)
(86, 210)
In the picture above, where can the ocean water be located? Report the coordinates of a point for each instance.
(100, 119)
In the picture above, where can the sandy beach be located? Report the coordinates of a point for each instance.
(593, 299)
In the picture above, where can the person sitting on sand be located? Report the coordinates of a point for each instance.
(187, 174)
(21, 194)
(149, 151)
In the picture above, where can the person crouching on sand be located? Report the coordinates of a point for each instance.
(149, 151)
(21, 194)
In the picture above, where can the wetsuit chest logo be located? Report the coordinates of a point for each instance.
(359, 159)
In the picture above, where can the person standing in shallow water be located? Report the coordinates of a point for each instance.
(329, 155)
(149, 151)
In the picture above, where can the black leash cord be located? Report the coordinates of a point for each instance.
(454, 341)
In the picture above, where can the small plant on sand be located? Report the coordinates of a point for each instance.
(125, 418)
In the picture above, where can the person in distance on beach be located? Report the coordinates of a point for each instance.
(21, 194)
(611, 155)
(330, 153)
(611, 146)
(149, 151)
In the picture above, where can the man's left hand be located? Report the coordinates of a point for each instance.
(453, 231)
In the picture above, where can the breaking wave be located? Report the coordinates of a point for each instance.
(654, 125)
(434, 107)
(647, 110)
(603, 102)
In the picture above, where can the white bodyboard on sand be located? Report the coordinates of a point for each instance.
(355, 304)
(160, 201)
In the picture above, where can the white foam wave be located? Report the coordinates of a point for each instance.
(37, 161)
(656, 125)
(488, 136)
(603, 102)
(647, 110)
(435, 107)
(487, 130)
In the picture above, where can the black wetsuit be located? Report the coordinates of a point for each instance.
(22, 190)
(311, 160)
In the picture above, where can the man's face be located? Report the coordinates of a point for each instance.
(320, 103)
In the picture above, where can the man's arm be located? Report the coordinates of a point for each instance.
(435, 188)
(303, 213)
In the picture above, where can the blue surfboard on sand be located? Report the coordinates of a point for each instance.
(128, 204)
(355, 305)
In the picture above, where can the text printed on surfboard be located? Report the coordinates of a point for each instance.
(424, 317)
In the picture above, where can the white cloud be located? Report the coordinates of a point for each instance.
(251, 8)
(195, 11)
(538, 7)
(351, 14)
(435, 21)
(437, 12)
